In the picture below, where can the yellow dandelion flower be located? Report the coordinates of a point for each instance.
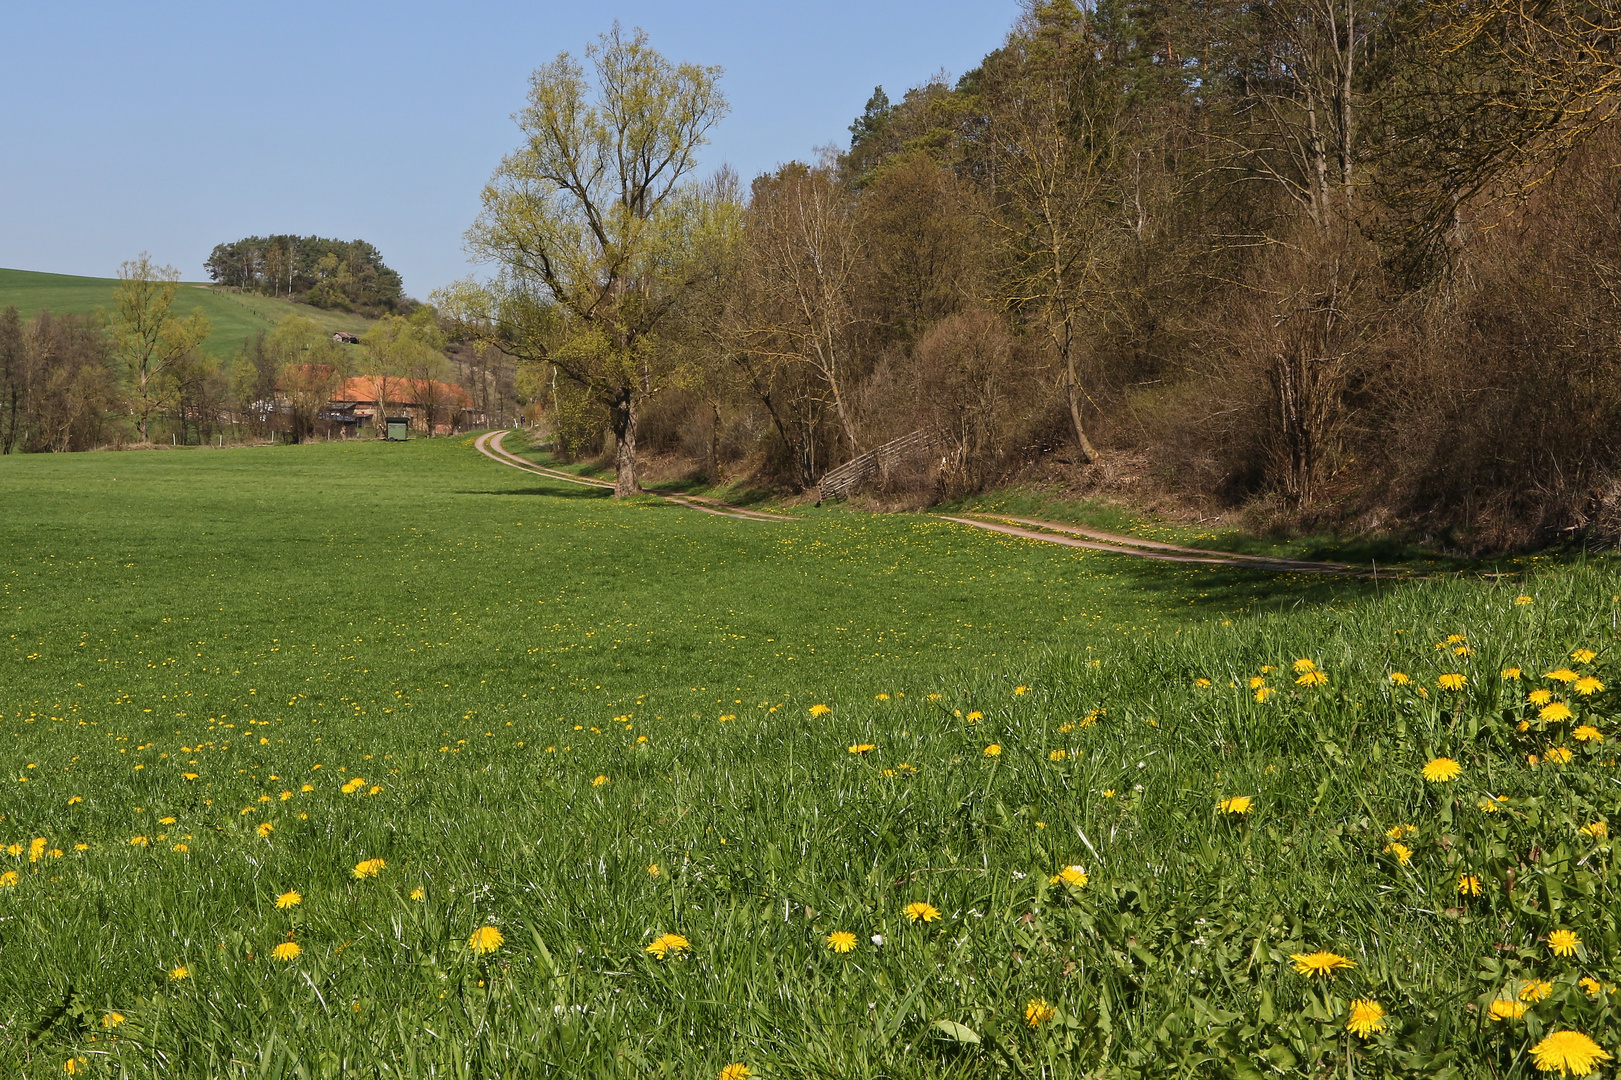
(1554, 712)
(1452, 681)
(485, 940)
(166, 821)
(841, 941)
(286, 951)
(1257, 681)
(1560, 755)
(993, 750)
(819, 710)
(1592, 986)
(1568, 1053)
(1564, 675)
(1320, 963)
(75, 799)
(1463, 650)
(862, 748)
(1312, 678)
(736, 1071)
(182, 848)
(1071, 875)
(367, 868)
(882, 697)
(598, 781)
(1201, 683)
(919, 912)
(668, 945)
(81, 847)
(974, 715)
(112, 1020)
(1539, 697)
(1058, 755)
(289, 899)
(1400, 678)
(1441, 770)
(1587, 685)
(137, 841)
(8, 879)
(1403, 853)
(1588, 733)
(1236, 804)
(265, 829)
(1469, 884)
(1503, 1009)
(1598, 830)
(1263, 693)
(1522, 600)
(1367, 1018)
(306, 787)
(1510, 673)
(419, 893)
(1303, 665)
(1535, 990)
(36, 848)
(1021, 690)
(1038, 1012)
(353, 784)
(1564, 942)
(179, 972)
(1453, 639)
(189, 775)
(1584, 656)
(73, 1065)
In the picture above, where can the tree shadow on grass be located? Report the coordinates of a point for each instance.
(563, 490)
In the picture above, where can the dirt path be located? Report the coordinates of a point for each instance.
(490, 446)
(1072, 536)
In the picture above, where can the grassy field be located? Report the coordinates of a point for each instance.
(564, 786)
(236, 316)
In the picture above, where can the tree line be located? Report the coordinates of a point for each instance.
(1340, 263)
(137, 374)
(346, 275)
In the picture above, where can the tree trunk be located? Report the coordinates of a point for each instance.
(1072, 388)
(626, 482)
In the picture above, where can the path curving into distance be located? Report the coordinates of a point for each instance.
(489, 444)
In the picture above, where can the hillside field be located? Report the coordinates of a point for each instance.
(382, 760)
(236, 316)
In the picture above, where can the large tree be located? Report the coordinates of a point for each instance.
(148, 339)
(592, 223)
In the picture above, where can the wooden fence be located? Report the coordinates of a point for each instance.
(837, 483)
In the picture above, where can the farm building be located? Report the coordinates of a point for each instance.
(313, 398)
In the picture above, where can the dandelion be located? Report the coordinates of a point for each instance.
(1257, 681)
(8, 879)
(1452, 681)
(353, 784)
(1312, 678)
(1503, 1009)
(1539, 697)
(1303, 665)
(819, 710)
(993, 750)
(1535, 990)
(81, 846)
(1320, 963)
(736, 1071)
(1058, 755)
(1403, 853)
(1469, 884)
(286, 951)
(1201, 683)
(1522, 600)
(485, 940)
(1236, 804)
(1554, 712)
(265, 829)
(1071, 875)
(75, 799)
(1592, 986)
(74, 1064)
(137, 841)
(1038, 1012)
(862, 748)
(112, 1020)
(1263, 693)
(166, 821)
(1399, 678)
(286, 795)
(1454, 639)
(1510, 673)
(1568, 1052)
(1442, 770)
(668, 945)
(1020, 690)
(1588, 733)
(419, 893)
(289, 899)
(598, 781)
(182, 848)
(179, 972)
(1584, 656)
(919, 912)
(1367, 1018)
(189, 775)
(1587, 685)
(1597, 830)
(1564, 942)
(36, 849)
(974, 715)
(1560, 755)
(1564, 675)
(1463, 650)
(369, 868)
(841, 941)
(882, 697)
(307, 788)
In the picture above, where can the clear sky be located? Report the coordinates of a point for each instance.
(170, 127)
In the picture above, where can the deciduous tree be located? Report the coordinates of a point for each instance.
(147, 338)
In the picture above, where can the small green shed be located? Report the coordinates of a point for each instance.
(399, 428)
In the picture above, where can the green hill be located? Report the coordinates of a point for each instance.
(236, 316)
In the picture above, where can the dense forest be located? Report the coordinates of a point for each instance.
(348, 275)
(1334, 265)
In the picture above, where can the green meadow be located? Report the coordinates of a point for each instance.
(384, 760)
(236, 317)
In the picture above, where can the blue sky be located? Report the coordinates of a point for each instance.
(169, 127)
